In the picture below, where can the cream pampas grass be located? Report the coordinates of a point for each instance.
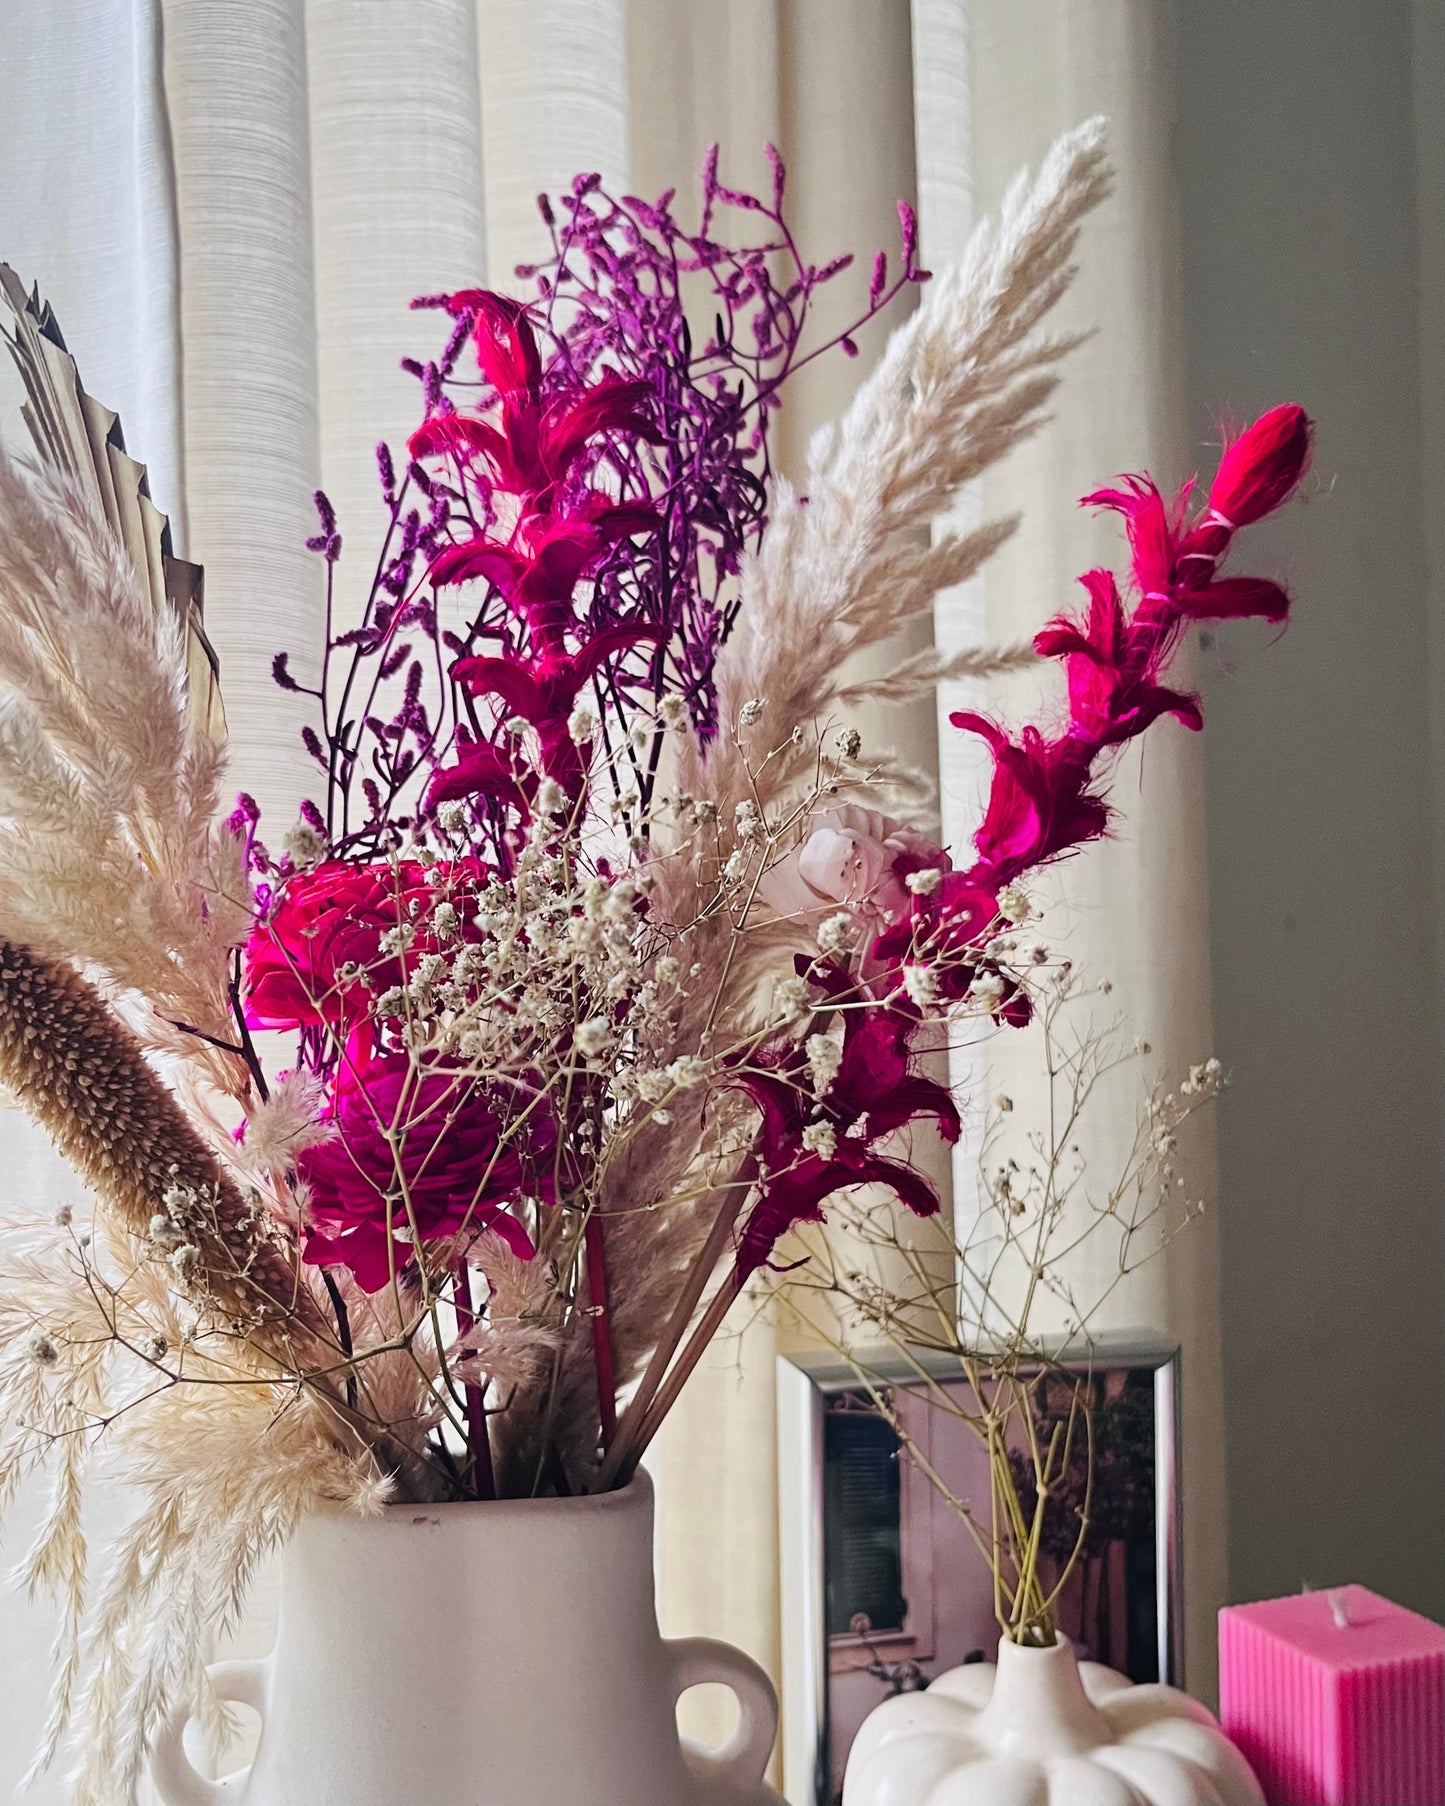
(922, 673)
(113, 852)
(842, 566)
(103, 1370)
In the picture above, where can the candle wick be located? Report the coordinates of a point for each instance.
(1339, 1607)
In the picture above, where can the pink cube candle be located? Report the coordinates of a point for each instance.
(1336, 1699)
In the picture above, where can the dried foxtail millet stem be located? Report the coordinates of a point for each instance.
(81, 1074)
(77, 1069)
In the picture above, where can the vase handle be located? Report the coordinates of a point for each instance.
(177, 1780)
(743, 1759)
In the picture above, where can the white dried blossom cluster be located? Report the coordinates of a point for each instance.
(304, 845)
(791, 1000)
(824, 1056)
(921, 984)
(1204, 1081)
(821, 1138)
(986, 991)
(1013, 905)
(548, 956)
(837, 934)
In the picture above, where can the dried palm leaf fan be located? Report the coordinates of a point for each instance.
(75, 434)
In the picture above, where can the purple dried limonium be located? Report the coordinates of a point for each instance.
(661, 442)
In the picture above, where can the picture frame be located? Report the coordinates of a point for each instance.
(861, 1526)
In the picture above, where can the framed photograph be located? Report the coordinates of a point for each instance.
(882, 1588)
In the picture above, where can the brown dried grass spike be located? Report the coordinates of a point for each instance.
(81, 1074)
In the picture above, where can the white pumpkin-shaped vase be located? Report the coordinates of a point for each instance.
(1043, 1729)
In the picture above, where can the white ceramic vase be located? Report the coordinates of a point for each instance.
(480, 1655)
(1043, 1729)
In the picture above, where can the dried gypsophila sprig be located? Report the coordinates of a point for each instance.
(542, 944)
(552, 937)
(663, 1245)
(961, 1309)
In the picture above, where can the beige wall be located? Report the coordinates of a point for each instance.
(1297, 165)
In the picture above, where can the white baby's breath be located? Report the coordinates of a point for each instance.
(987, 990)
(921, 984)
(1013, 905)
(837, 934)
(824, 1056)
(821, 1138)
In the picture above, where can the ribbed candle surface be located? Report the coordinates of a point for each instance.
(1336, 1699)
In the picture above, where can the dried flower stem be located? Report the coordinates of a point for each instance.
(601, 1327)
(483, 1479)
(680, 1371)
(626, 1449)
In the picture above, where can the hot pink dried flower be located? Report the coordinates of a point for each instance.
(419, 1154)
(318, 957)
(1046, 797)
(875, 1091)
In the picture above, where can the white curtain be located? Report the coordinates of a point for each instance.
(86, 208)
(830, 83)
(1133, 911)
(230, 203)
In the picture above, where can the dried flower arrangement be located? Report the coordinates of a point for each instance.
(604, 963)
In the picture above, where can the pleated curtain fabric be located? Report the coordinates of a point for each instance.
(231, 203)
(87, 209)
(830, 83)
(1133, 911)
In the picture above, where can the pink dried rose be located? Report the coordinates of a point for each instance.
(417, 1153)
(323, 953)
(328, 922)
(855, 858)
